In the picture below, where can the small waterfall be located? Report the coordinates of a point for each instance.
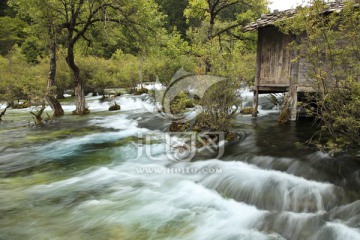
(271, 190)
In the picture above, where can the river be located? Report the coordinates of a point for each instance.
(83, 177)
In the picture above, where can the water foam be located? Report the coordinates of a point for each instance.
(268, 189)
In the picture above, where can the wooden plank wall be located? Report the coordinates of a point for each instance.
(275, 62)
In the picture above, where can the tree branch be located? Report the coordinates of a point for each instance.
(224, 6)
(227, 29)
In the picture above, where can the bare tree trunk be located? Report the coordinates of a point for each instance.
(3, 112)
(60, 93)
(53, 102)
(78, 82)
(38, 115)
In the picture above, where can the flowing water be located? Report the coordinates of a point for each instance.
(85, 178)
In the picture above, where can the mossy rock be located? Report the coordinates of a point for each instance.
(189, 104)
(87, 111)
(141, 91)
(115, 107)
(179, 126)
(105, 99)
(247, 111)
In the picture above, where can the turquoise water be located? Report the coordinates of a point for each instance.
(89, 177)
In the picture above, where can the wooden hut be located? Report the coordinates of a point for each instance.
(275, 70)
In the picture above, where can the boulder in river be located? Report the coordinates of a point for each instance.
(114, 107)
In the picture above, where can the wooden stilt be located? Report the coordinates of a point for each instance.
(255, 102)
(257, 78)
(293, 87)
(293, 103)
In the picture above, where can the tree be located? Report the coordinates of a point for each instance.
(21, 80)
(51, 96)
(11, 33)
(46, 25)
(328, 45)
(223, 50)
(6, 10)
(175, 19)
(74, 18)
(2, 113)
(215, 22)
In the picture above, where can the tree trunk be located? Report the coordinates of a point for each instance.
(53, 102)
(38, 115)
(3, 112)
(60, 93)
(78, 82)
(209, 37)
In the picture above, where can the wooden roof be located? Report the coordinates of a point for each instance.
(271, 18)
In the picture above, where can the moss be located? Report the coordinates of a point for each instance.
(141, 91)
(231, 137)
(284, 116)
(87, 111)
(247, 111)
(63, 133)
(179, 126)
(180, 102)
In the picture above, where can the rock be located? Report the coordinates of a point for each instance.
(141, 91)
(115, 107)
(247, 111)
(179, 126)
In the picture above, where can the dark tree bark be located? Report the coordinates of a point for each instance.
(53, 102)
(38, 115)
(78, 82)
(3, 112)
(60, 93)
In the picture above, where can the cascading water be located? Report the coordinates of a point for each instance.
(61, 182)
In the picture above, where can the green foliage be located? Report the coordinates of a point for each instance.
(5, 10)
(129, 43)
(180, 103)
(340, 114)
(21, 80)
(175, 19)
(32, 50)
(11, 33)
(98, 73)
(215, 27)
(127, 69)
(329, 46)
(223, 50)
(221, 105)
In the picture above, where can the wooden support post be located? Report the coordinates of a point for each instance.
(293, 103)
(256, 101)
(293, 87)
(257, 76)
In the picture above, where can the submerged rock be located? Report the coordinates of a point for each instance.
(140, 91)
(247, 111)
(115, 107)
